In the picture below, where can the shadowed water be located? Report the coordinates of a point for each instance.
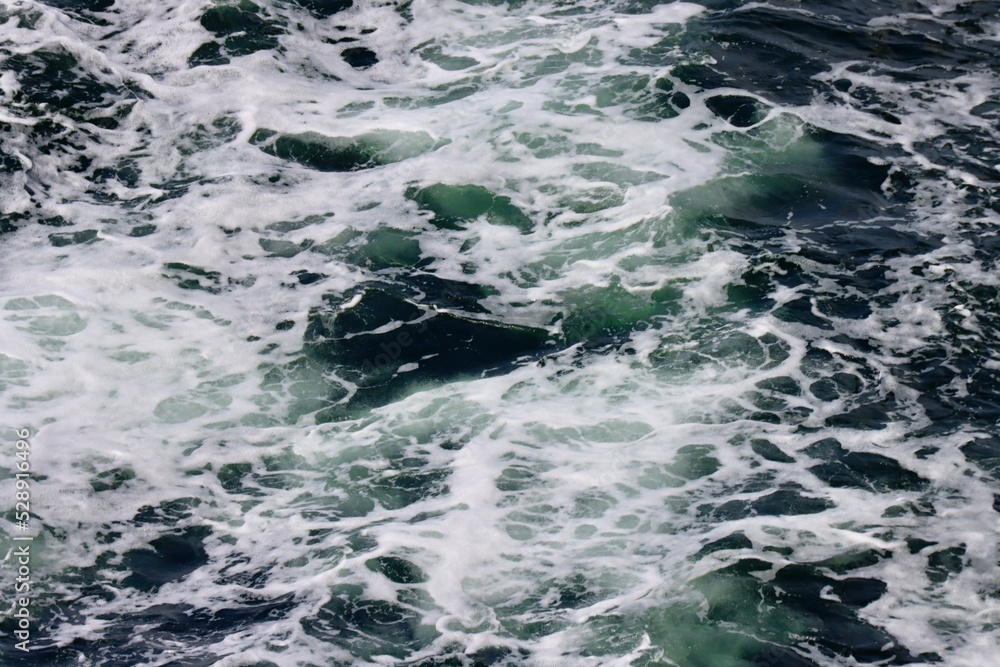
(480, 334)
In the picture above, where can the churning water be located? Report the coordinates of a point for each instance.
(449, 333)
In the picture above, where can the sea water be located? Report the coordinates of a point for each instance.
(443, 333)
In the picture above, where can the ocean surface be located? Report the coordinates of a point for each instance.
(441, 333)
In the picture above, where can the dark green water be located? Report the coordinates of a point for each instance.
(485, 334)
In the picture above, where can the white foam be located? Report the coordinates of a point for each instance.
(565, 464)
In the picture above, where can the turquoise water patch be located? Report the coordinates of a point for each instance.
(454, 204)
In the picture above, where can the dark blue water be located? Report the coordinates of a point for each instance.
(483, 334)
